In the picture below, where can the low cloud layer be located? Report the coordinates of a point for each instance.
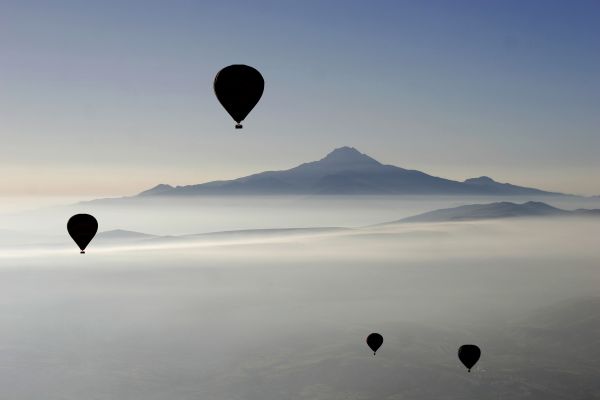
(284, 314)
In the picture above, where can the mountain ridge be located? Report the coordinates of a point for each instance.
(345, 171)
(468, 212)
(496, 210)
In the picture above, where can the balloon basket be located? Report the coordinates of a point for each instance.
(238, 126)
(82, 252)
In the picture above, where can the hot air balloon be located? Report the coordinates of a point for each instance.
(469, 355)
(238, 89)
(82, 228)
(374, 340)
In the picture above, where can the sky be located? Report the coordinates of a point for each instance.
(110, 98)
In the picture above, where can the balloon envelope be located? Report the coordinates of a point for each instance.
(469, 354)
(374, 340)
(238, 89)
(82, 228)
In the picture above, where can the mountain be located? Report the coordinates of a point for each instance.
(497, 210)
(345, 171)
(491, 186)
(156, 190)
(123, 235)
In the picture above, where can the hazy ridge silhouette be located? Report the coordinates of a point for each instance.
(346, 171)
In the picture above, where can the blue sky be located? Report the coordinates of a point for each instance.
(111, 97)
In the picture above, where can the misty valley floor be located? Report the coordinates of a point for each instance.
(287, 318)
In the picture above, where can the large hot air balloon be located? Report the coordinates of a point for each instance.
(374, 340)
(238, 89)
(82, 228)
(469, 355)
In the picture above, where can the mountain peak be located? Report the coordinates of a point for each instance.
(348, 155)
(482, 180)
(162, 187)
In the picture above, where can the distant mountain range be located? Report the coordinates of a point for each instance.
(497, 210)
(346, 171)
(471, 212)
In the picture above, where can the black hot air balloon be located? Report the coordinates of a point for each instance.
(374, 340)
(469, 355)
(82, 228)
(238, 89)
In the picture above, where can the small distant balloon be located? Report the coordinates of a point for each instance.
(82, 228)
(238, 89)
(469, 354)
(374, 340)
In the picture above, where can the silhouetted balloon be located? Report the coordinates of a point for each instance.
(469, 355)
(374, 340)
(238, 89)
(82, 228)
